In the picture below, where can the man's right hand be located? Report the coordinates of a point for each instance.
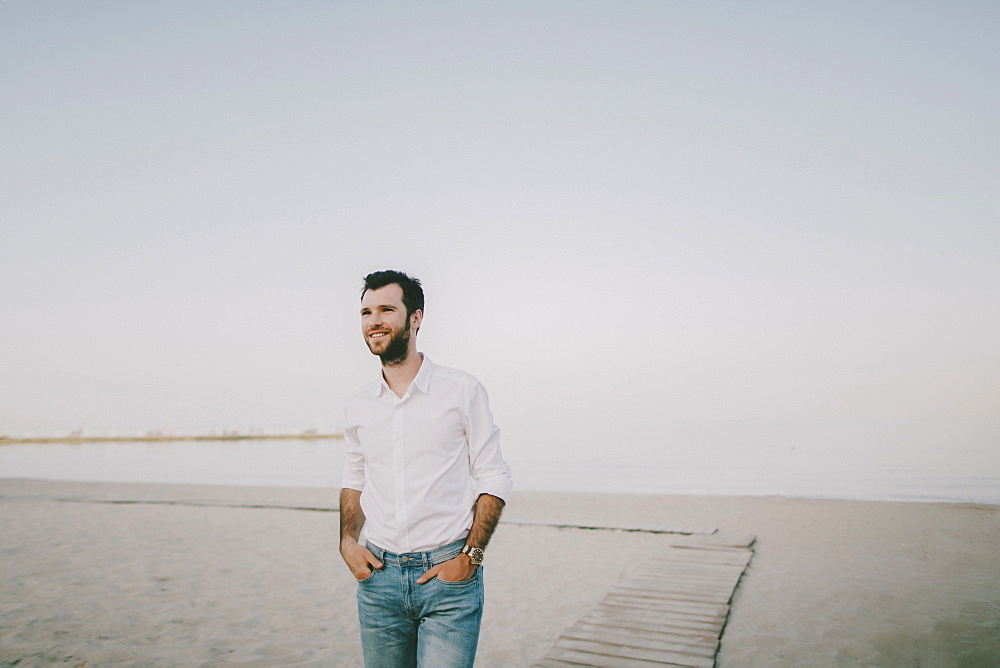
(359, 559)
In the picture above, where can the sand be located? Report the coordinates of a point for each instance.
(174, 575)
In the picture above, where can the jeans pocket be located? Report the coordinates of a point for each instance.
(369, 578)
(461, 583)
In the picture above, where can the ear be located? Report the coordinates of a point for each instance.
(416, 318)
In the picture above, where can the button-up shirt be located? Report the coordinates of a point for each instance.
(421, 460)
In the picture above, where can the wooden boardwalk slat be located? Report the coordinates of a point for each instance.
(663, 643)
(663, 571)
(678, 636)
(670, 610)
(668, 622)
(632, 653)
(720, 556)
(658, 570)
(675, 586)
(662, 616)
(724, 539)
(674, 580)
(570, 657)
(621, 604)
(666, 590)
(669, 626)
(693, 610)
(708, 610)
(692, 599)
(651, 597)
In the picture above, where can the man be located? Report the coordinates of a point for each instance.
(424, 469)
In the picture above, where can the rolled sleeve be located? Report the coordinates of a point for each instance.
(490, 473)
(354, 459)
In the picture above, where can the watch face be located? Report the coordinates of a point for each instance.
(475, 555)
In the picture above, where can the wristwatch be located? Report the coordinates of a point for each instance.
(475, 554)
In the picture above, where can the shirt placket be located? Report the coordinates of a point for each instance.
(398, 475)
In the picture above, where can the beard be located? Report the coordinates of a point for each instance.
(398, 348)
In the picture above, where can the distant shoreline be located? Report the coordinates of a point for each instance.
(5, 440)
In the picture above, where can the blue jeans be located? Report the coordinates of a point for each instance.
(431, 625)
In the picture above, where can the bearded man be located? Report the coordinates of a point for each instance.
(426, 479)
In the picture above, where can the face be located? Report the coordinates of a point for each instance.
(384, 324)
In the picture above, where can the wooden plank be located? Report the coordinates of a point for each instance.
(680, 636)
(721, 539)
(664, 615)
(658, 573)
(675, 622)
(607, 637)
(693, 609)
(618, 646)
(706, 610)
(694, 598)
(582, 657)
(653, 574)
(668, 626)
(701, 544)
(578, 658)
(634, 653)
(690, 576)
(704, 585)
(657, 590)
(703, 565)
(676, 586)
(661, 620)
(706, 557)
(638, 618)
(699, 567)
(654, 641)
(666, 602)
(702, 568)
(700, 557)
(665, 571)
(660, 569)
(670, 619)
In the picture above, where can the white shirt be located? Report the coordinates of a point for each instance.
(421, 460)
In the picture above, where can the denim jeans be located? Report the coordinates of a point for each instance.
(430, 625)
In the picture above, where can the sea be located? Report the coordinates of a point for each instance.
(927, 460)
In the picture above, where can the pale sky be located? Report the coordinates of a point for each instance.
(619, 210)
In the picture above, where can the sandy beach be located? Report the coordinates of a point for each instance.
(96, 574)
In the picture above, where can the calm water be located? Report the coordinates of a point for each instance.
(926, 460)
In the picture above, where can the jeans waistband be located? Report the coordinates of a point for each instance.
(423, 559)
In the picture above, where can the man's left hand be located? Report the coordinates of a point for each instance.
(454, 570)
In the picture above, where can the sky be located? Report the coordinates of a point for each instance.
(620, 211)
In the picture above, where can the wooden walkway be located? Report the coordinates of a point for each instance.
(670, 611)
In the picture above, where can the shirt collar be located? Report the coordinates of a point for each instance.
(421, 382)
(423, 379)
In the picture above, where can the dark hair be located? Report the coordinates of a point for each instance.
(413, 294)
